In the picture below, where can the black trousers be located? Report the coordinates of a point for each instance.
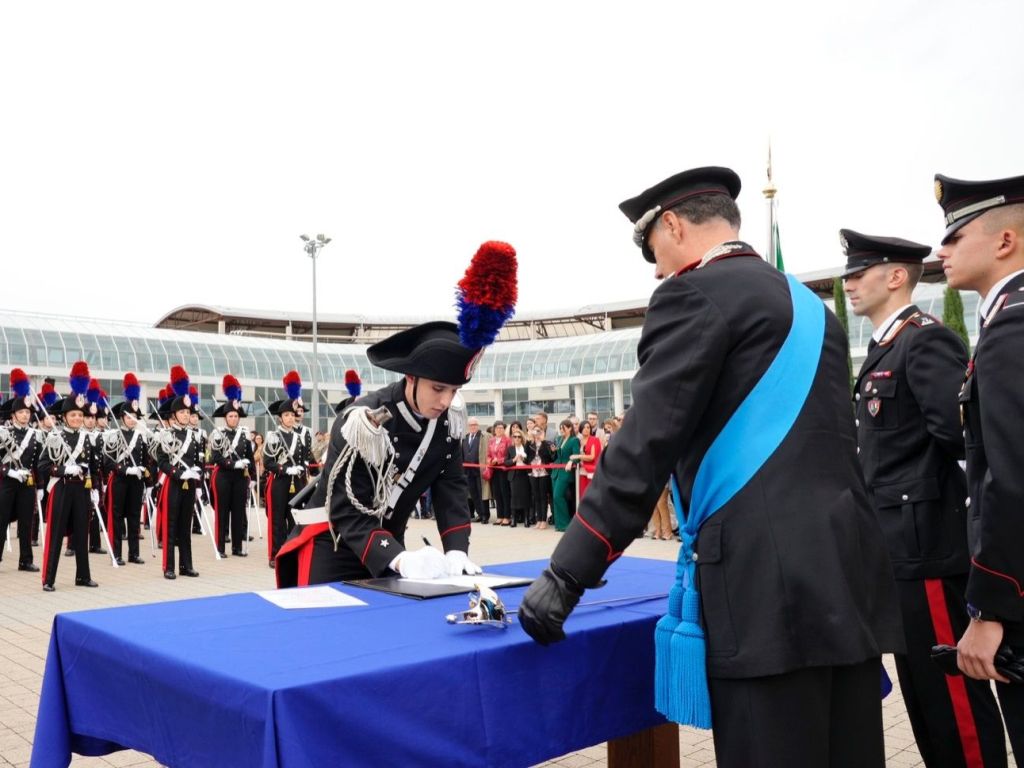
(539, 491)
(67, 505)
(476, 494)
(956, 721)
(502, 494)
(230, 488)
(177, 505)
(821, 717)
(279, 515)
(124, 512)
(17, 502)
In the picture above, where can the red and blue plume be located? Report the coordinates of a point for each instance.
(353, 383)
(487, 294)
(48, 395)
(193, 392)
(79, 378)
(292, 385)
(131, 387)
(104, 398)
(232, 389)
(179, 381)
(164, 395)
(20, 383)
(93, 393)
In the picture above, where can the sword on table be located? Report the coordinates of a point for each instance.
(486, 608)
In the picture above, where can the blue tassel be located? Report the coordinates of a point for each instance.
(886, 682)
(689, 702)
(662, 646)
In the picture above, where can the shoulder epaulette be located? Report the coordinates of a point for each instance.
(923, 319)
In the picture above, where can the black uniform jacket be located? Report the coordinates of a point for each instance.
(793, 570)
(296, 454)
(87, 459)
(29, 456)
(243, 450)
(992, 399)
(366, 542)
(137, 457)
(910, 438)
(192, 457)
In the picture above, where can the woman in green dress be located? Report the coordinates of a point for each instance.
(562, 480)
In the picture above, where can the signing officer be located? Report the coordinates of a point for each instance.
(910, 440)
(983, 250)
(796, 596)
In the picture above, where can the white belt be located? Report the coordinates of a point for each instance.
(310, 516)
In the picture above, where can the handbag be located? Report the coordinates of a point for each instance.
(486, 472)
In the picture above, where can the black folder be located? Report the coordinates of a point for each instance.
(422, 590)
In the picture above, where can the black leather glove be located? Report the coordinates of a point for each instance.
(1008, 664)
(548, 603)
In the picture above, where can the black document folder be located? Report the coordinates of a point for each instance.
(421, 590)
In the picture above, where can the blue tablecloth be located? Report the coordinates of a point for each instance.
(238, 681)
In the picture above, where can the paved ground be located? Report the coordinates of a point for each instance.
(26, 615)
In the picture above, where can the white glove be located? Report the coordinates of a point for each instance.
(294, 470)
(424, 563)
(72, 470)
(134, 471)
(94, 497)
(39, 495)
(190, 474)
(21, 475)
(459, 563)
(241, 464)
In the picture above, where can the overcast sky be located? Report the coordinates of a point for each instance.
(154, 155)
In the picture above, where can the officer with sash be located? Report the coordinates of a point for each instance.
(910, 441)
(286, 461)
(784, 596)
(983, 250)
(18, 456)
(70, 466)
(127, 463)
(202, 440)
(392, 445)
(233, 470)
(179, 460)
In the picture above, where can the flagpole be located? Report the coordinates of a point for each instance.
(769, 195)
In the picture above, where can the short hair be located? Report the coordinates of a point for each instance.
(591, 413)
(914, 273)
(703, 208)
(1005, 217)
(498, 423)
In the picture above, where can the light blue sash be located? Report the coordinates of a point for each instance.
(750, 437)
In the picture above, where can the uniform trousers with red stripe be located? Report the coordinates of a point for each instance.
(955, 719)
(17, 502)
(124, 504)
(825, 717)
(67, 504)
(230, 493)
(279, 514)
(178, 505)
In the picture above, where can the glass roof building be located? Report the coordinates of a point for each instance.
(561, 375)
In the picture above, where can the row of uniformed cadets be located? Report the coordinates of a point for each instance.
(63, 465)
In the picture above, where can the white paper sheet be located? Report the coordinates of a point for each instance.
(310, 597)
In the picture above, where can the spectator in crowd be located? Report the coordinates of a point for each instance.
(257, 452)
(661, 520)
(320, 443)
(563, 497)
(595, 426)
(575, 420)
(473, 448)
(496, 452)
(539, 452)
(518, 476)
(589, 452)
(611, 426)
(542, 423)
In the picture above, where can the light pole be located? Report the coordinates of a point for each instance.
(312, 247)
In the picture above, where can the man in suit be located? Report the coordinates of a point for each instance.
(471, 450)
(983, 250)
(788, 579)
(910, 440)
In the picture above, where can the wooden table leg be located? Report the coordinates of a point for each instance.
(657, 747)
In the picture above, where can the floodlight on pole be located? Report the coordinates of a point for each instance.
(312, 247)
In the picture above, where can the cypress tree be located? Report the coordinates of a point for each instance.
(839, 299)
(953, 315)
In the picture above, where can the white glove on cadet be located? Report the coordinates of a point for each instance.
(72, 470)
(425, 563)
(134, 471)
(94, 497)
(21, 475)
(241, 464)
(459, 563)
(39, 495)
(190, 474)
(294, 470)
